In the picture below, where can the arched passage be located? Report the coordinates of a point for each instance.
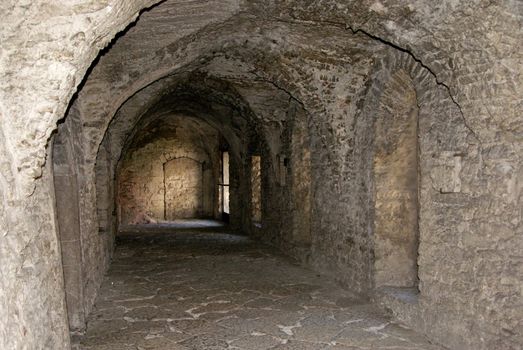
(454, 170)
(325, 185)
(169, 170)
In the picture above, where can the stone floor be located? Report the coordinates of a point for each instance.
(199, 289)
(169, 226)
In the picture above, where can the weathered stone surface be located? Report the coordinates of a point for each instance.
(396, 182)
(191, 289)
(254, 70)
(170, 171)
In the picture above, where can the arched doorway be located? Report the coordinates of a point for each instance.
(183, 188)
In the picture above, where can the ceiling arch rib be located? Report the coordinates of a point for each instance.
(233, 54)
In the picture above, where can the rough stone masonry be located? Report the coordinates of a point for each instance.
(390, 136)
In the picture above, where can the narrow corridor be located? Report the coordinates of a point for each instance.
(203, 288)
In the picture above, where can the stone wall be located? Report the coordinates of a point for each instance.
(256, 189)
(253, 60)
(170, 171)
(67, 38)
(441, 130)
(396, 183)
(297, 167)
(68, 222)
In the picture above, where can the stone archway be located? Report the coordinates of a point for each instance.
(40, 77)
(68, 227)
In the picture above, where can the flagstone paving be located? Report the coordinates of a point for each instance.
(197, 289)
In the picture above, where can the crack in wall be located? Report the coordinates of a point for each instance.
(399, 48)
(438, 82)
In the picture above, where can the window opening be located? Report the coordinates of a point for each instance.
(256, 189)
(224, 186)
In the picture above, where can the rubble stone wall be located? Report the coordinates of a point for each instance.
(169, 172)
(248, 62)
